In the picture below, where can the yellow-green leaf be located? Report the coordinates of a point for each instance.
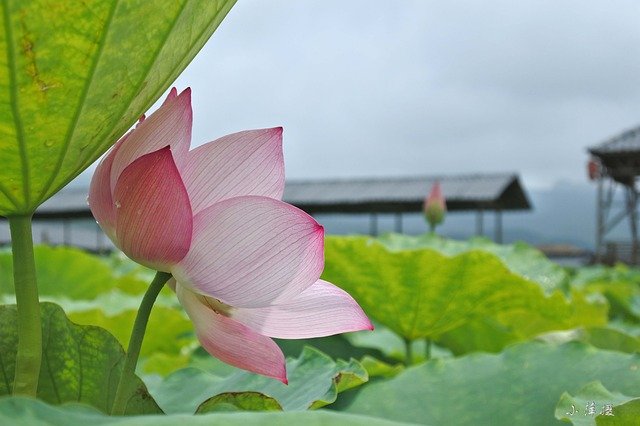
(80, 363)
(239, 401)
(75, 75)
(422, 293)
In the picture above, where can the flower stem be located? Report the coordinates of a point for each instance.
(29, 355)
(428, 349)
(135, 342)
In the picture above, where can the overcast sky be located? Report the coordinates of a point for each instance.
(380, 88)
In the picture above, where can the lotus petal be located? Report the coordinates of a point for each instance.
(243, 163)
(321, 310)
(153, 215)
(252, 251)
(170, 126)
(230, 341)
(100, 196)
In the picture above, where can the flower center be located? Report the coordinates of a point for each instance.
(217, 306)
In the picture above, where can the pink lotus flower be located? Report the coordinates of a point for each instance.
(435, 206)
(246, 265)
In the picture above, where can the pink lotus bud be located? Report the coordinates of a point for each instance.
(435, 206)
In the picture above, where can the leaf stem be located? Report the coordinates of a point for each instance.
(409, 352)
(135, 342)
(428, 349)
(29, 355)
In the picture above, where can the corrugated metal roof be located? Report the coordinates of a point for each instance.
(397, 194)
(625, 142)
(350, 191)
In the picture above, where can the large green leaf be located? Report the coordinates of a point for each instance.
(377, 368)
(623, 415)
(76, 75)
(520, 258)
(424, 294)
(520, 386)
(381, 338)
(385, 345)
(239, 401)
(485, 334)
(92, 293)
(600, 337)
(23, 411)
(80, 363)
(344, 346)
(71, 273)
(314, 381)
(590, 401)
(168, 333)
(602, 273)
(619, 284)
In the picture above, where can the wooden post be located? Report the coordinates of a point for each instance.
(599, 220)
(632, 207)
(373, 225)
(399, 223)
(479, 223)
(498, 229)
(66, 232)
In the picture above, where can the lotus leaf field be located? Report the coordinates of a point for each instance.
(467, 332)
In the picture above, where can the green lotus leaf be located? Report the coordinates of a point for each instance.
(314, 381)
(520, 386)
(239, 401)
(422, 293)
(619, 284)
(483, 334)
(24, 411)
(76, 75)
(157, 365)
(340, 346)
(71, 273)
(80, 363)
(377, 368)
(602, 273)
(381, 339)
(168, 333)
(590, 401)
(91, 293)
(623, 415)
(600, 337)
(520, 258)
(387, 346)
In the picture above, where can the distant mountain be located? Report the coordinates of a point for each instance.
(565, 213)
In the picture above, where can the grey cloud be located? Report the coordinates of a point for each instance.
(414, 87)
